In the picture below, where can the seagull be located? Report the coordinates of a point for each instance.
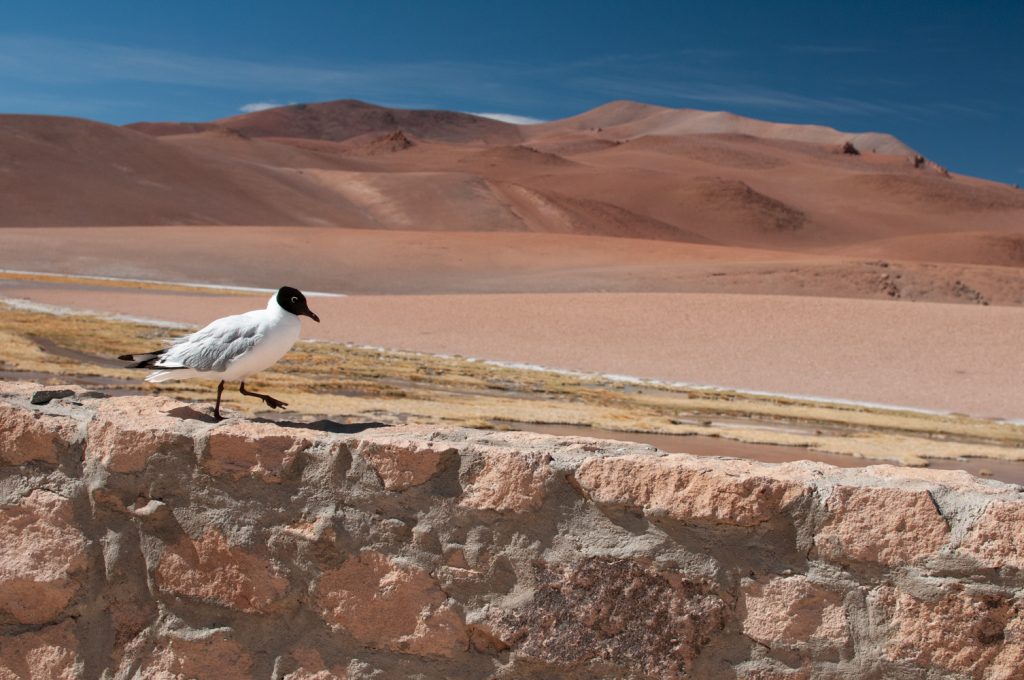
(232, 348)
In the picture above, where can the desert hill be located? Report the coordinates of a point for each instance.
(343, 119)
(623, 169)
(72, 172)
(628, 120)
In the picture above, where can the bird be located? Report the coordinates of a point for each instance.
(233, 347)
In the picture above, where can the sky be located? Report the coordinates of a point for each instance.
(945, 77)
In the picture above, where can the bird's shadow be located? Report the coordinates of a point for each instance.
(324, 425)
(191, 413)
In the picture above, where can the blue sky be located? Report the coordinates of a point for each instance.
(946, 77)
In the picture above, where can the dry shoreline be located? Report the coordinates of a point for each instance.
(936, 357)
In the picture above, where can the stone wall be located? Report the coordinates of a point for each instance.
(138, 539)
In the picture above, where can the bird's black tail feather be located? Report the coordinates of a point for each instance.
(142, 359)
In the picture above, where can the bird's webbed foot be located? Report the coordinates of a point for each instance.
(273, 403)
(267, 399)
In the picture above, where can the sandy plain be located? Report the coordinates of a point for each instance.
(944, 357)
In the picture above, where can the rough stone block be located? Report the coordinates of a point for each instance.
(388, 605)
(883, 525)
(792, 611)
(979, 635)
(210, 569)
(45, 654)
(261, 450)
(997, 538)
(403, 461)
(30, 435)
(43, 559)
(193, 654)
(127, 431)
(646, 621)
(507, 480)
(685, 488)
(311, 666)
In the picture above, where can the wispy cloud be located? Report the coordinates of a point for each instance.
(742, 95)
(510, 118)
(35, 61)
(703, 78)
(826, 50)
(40, 59)
(258, 106)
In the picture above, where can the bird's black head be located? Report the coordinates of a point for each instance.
(292, 300)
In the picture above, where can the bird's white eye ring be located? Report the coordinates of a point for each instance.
(295, 300)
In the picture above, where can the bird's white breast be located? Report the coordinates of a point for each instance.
(280, 333)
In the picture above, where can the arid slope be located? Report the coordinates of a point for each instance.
(624, 169)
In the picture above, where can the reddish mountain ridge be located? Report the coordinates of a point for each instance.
(623, 169)
(336, 121)
(630, 120)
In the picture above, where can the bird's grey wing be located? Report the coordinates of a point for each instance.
(213, 348)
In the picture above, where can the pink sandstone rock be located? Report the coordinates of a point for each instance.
(1008, 663)
(887, 525)
(997, 538)
(127, 431)
(953, 479)
(402, 461)
(387, 605)
(979, 635)
(261, 450)
(593, 613)
(46, 654)
(792, 610)
(441, 632)
(31, 435)
(129, 616)
(773, 672)
(42, 559)
(213, 655)
(210, 569)
(312, 667)
(507, 481)
(19, 389)
(319, 529)
(24, 391)
(634, 616)
(685, 488)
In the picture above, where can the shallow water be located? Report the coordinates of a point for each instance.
(1005, 471)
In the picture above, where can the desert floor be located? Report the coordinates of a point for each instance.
(701, 315)
(50, 339)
